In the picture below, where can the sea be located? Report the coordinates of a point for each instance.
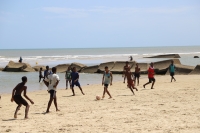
(87, 56)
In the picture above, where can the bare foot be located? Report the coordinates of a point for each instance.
(15, 116)
(109, 97)
(103, 97)
(152, 88)
(25, 118)
(73, 95)
(144, 86)
(47, 111)
(83, 93)
(57, 110)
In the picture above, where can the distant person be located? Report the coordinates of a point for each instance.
(51, 82)
(172, 69)
(130, 81)
(137, 73)
(47, 72)
(16, 96)
(75, 81)
(68, 77)
(125, 70)
(151, 76)
(40, 74)
(20, 59)
(106, 81)
(131, 58)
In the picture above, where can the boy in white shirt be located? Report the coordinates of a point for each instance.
(51, 82)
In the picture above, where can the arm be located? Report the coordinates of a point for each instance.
(111, 78)
(56, 84)
(46, 83)
(13, 92)
(103, 79)
(27, 96)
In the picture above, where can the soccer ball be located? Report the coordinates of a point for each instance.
(98, 97)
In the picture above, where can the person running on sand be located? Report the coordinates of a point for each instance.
(172, 69)
(68, 77)
(106, 80)
(51, 82)
(137, 73)
(75, 78)
(47, 72)
(151, 76)
(40, 74)
(131, 81)
(125, 70)
(16, 96)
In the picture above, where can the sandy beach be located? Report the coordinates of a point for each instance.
(169, 108)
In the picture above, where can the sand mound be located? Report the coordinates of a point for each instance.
(166, 56)
(196, 70)
(18, 67)
(90, 69)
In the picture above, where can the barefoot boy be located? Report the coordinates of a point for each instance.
(16, 96)
(106, 80)
(151, 76)
(68, 77)
(130, 81)
(172, 69)
(137, 73)
(75, 78)
(51, 82)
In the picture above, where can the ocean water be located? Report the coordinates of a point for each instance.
(87, 56)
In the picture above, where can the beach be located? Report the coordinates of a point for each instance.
(169, 108)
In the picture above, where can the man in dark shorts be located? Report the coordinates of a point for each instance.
(137, 73)
(126, 68)
(151, 76)
(51, 82)
(75, 78)
(172, 69)
(16, 96)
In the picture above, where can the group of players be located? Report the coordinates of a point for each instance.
(51, 80)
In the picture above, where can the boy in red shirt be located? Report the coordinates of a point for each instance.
(150, 76)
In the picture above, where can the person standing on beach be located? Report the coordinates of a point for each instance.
(130, 81)
(68, 77)
(75, 81)
(125, 70)
(20, 59)
(151, 76)
(172, 69)
(51, 82)
(47, 72)
(16, 96)
(137, 73)
(106, 80)
(40, 75)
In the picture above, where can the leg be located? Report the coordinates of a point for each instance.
(146, 84)
(55, 103)
(81, 90)
(138, 80)
(66, 83)
(49, 104)
(108, 93)
(152, 84)
(104, 92)
(26, 111)
(73, 91)
(70, 83)
(131, 89)
(17, 109)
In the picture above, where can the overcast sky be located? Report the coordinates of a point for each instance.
(98, 23)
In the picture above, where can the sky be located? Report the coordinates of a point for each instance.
(98, 23)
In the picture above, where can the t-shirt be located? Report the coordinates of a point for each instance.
(107, 78)
(68, 74)
(172, 68)
(46, 73)
(74, 76)
(52, 79)
(151, 72)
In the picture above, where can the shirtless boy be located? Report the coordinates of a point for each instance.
(106, 80)
(130, 80)
(16, 96)
(51, 82)
(137, 73)
(125, 70)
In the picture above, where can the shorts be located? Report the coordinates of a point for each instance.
(76, 83)
(106, 85)
(171, 73)
(137, 75)
(152, 79)
(19, 100)
(130, 83)
(52, 93)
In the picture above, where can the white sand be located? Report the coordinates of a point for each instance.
(170, 107)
